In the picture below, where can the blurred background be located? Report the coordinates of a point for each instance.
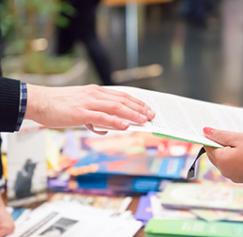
(192, 48)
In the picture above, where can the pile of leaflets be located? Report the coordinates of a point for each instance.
(199, 209)
(118, 163)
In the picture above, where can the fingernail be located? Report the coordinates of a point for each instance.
(125, 125)
(151, 114)
(208, 131)
(142, 118)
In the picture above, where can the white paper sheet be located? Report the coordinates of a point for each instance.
(184, 118)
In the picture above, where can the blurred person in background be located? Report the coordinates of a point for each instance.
(197, 11)
(82, 28)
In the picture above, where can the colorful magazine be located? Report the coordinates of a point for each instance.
(117, 163)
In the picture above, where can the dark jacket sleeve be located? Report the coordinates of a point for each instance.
(9, 100)
(9, 104)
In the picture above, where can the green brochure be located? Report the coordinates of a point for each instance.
(192, 228)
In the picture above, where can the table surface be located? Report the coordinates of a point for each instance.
(133, 208)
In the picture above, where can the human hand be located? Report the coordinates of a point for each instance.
(228, 159)
(6, 222)
(92, 105)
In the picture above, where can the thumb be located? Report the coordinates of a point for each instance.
(224, 138)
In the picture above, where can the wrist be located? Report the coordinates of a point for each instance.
(35, 102)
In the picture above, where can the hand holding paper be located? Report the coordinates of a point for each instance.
(228, 159)
(184, 118)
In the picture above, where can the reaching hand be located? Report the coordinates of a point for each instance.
(229, 159)
(92, 105)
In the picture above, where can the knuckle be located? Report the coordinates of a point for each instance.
(80, 116)
(123, 100)
(135, 116)
(86, 103)
(142, 110)
(93, 87)
(100, 117)
(115, 107)
(125, 95)
(122, 126)
(117, 123)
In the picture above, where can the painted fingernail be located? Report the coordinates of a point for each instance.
(208, 131)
